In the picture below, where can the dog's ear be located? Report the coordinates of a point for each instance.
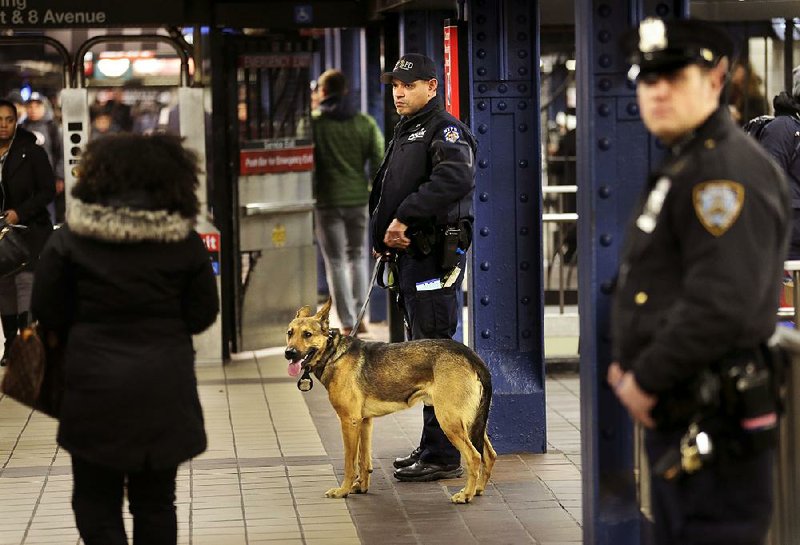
(324, 312)
(304, 312)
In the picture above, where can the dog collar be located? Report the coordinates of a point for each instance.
(305, 383)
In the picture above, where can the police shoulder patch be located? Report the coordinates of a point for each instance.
(451, 134)
(718, 204)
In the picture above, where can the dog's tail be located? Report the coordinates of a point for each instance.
(478, 429)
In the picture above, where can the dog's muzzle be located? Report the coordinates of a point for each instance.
(296, 364)
(292, 354)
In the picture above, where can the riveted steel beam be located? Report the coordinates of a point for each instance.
(506, 290)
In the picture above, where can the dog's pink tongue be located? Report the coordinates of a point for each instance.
(294, 368)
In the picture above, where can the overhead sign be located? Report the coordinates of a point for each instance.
(87, 13)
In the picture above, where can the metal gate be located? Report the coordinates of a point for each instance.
(268, 180)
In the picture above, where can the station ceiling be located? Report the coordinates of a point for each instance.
(562, 12)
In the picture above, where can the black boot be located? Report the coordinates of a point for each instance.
(10, 324)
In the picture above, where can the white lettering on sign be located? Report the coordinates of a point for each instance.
(279, 160)
(54, 17)
(16, 4)
(18, 14)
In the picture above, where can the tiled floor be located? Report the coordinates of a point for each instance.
(273, 451)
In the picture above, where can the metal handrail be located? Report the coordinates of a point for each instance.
(548, 189)
(560, 219)
(68, 79)
(256, 208)
(564, 217)
(116, 38)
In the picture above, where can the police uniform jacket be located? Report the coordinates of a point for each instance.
(129, 288)
(28, 186)
(701, 269)
(427, 174)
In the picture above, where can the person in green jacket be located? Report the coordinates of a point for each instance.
(348, 149)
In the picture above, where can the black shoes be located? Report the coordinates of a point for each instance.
(421, 471)
(408, 460)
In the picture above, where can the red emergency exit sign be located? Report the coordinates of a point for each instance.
(276, 160)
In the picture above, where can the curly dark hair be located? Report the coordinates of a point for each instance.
(152, 172)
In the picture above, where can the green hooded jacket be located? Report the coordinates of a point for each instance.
(345, 143)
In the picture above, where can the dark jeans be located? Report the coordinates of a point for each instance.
(727, 503)
(431, 315)
(97, 502)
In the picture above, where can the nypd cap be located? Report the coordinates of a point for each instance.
(659, 46)
(411, 68)
(35, 97)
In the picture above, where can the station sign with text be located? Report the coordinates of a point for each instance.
(88, 13)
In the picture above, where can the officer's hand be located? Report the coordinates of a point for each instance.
(615, 373)
(395, 236)
(638, 402)
(11, 217)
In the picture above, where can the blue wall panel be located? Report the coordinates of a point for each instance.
(506, 266)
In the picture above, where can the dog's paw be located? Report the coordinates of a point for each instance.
(479, 491)
(460, 497)
(358, 488)
(337, 493)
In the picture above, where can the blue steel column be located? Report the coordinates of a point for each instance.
(351, 62)
(423, 32)
(506, 294)
(615, 154)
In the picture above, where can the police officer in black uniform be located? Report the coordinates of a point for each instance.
(697, 293)
(421, 214)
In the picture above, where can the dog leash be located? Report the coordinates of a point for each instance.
(363, 310)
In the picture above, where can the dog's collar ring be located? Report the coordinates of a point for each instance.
(305, 383)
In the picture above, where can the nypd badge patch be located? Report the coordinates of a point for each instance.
(718, 204)
(451, 134)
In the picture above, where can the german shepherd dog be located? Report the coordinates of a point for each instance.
(369, 379)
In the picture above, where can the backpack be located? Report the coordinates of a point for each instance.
(755, 128)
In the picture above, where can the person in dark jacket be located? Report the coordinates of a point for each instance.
(40, 121)
(697, 294)
(421, 213)
(781, 138)
(127, 281)
(27, 185)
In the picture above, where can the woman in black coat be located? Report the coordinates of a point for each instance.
(128, 281)
(26, 189)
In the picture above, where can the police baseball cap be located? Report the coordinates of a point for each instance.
(35, 97)
(657, 46)
(411, 68)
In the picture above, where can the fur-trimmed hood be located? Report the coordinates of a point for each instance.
(126, 224)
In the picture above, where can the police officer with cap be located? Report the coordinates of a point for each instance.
(421, 214)
(697, 291)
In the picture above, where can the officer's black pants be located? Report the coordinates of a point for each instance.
(97, 502)
(729, 503)
(431, 315)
